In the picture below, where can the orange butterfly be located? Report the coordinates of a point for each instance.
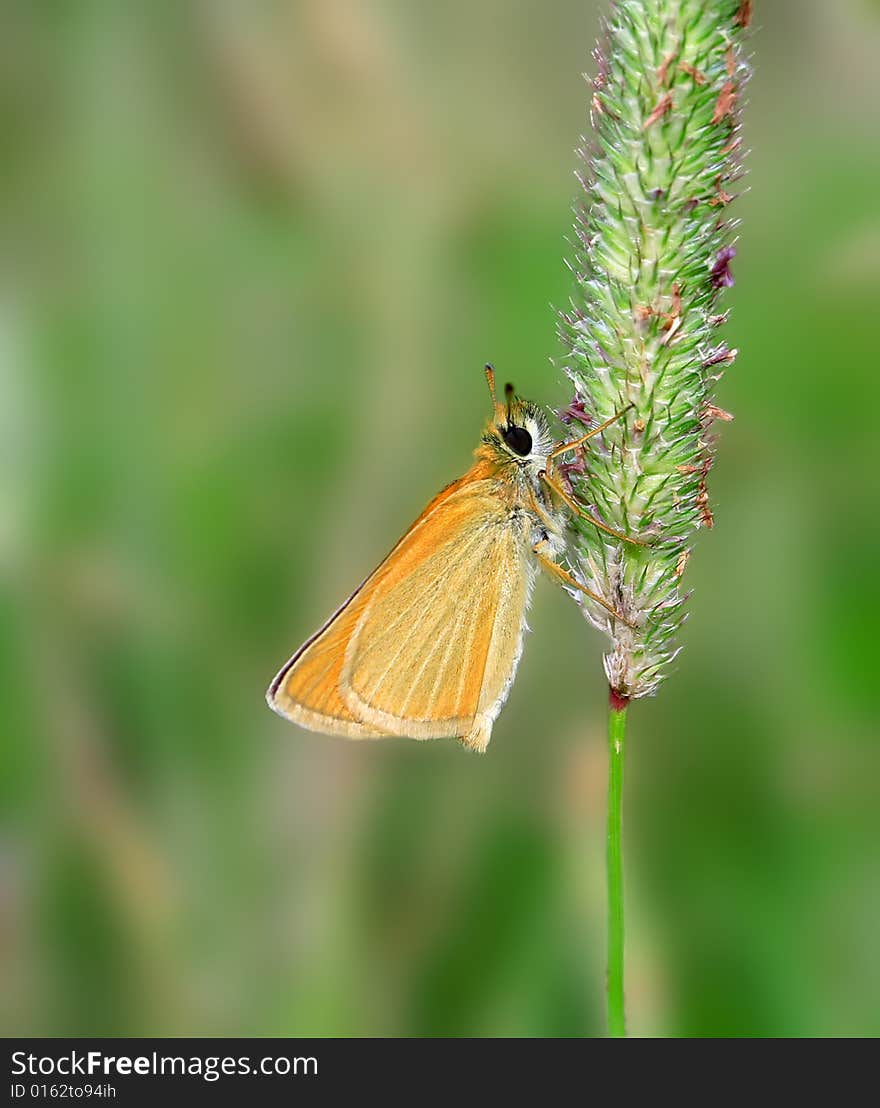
(428, 645)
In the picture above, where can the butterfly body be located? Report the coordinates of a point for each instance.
(428, 644)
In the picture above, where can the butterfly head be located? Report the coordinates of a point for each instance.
(517, 433)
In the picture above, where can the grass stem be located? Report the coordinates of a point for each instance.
(617, 710)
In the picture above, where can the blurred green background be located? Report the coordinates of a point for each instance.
(254, 257)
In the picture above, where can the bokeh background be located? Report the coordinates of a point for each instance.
(254, 257)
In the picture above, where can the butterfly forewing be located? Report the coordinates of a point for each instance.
(307, 689)
(429, 643)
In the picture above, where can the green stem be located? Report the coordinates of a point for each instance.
(616, 734)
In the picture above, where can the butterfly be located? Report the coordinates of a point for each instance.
(428, 645)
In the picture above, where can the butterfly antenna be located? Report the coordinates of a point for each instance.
(508, 395)
(490, 381)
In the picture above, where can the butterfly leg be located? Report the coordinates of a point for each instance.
(565, 578)
(584, 514)
(564, 447)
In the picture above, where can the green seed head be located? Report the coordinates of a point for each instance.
(654, 251)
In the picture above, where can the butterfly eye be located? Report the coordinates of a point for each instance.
(519, 440)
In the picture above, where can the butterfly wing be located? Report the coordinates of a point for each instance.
(307, 689)
(428, 645)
